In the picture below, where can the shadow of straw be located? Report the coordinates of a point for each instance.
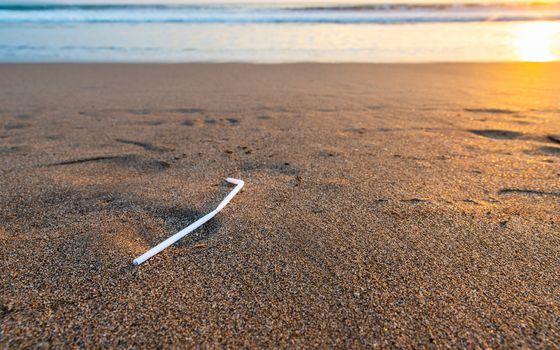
(177, 218)
(528, 192)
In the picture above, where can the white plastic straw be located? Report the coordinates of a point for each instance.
(158, 248)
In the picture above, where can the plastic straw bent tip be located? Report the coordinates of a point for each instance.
(235, 181)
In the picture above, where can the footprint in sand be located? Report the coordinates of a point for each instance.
(359, 131)
(199, 122)
(416, 200)
(11, 149)
(489, 110)
(326, 154)
(153, 122)
(188, 122)
(497, 134)
(145, 145)
(129, 161)
(553, 138)
(139, 111)
(188, 110)
(528, 192)
(555, 151)
(192, 122)
(11, 126)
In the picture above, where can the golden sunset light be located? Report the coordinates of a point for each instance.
(534, 41)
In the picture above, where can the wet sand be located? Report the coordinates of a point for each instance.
(385, 205)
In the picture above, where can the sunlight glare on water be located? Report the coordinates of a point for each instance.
(534, 41)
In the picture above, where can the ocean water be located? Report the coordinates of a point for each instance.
(366, 32)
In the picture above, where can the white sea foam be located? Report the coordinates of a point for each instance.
(237, 14)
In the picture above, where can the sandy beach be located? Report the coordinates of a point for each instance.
(385, 206)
